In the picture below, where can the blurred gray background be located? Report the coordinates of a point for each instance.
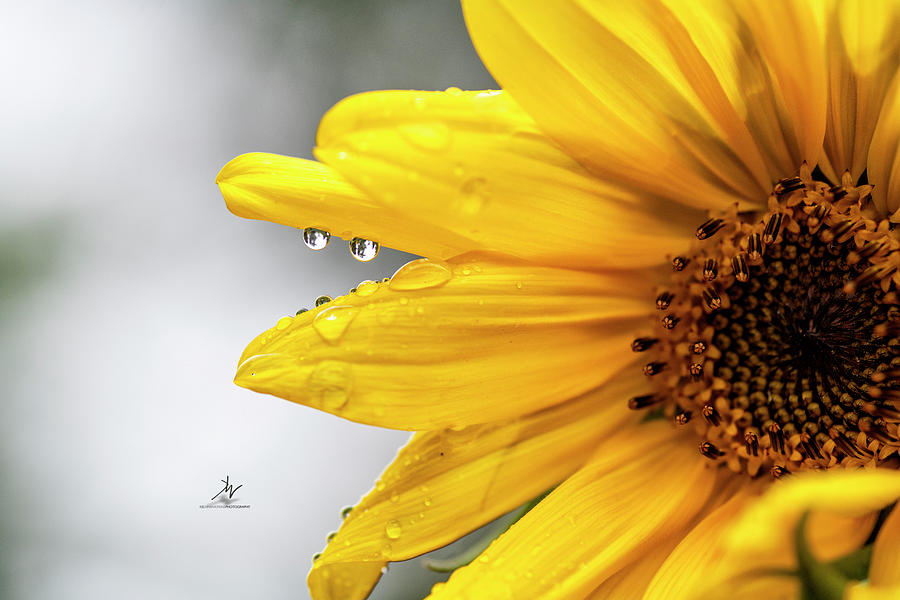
(127, 291)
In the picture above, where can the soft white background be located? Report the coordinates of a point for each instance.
(127, 291)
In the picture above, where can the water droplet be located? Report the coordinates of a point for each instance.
(474, 195)
(345, 512)
(283, 323)
(302, 310)
(433, 136)
(362, 249)
(394, 496)
(329, 385)
(519, 285)
(366, 288)
(393, 529)
(379, 485)
(332, 322)
(453, 90)
(317, 556)
(420, 274)
(427, 501)
(330, 537)
(323, 300)
(419, 102)
(315, 239)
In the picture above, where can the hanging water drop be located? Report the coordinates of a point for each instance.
(363, 250)
(345, 512)
(315, 239)
(323, 300)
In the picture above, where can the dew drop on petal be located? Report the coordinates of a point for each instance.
(345, 512)
(395, 496)
(363, 250)
(283, 323)
(301, 311)
(315, 239)
(332, 322)
(393, 529)
(432, 136)
(331, 537)
(323, 300)
(366, 288)
(329, 385)
(474, 195)
(420, 274)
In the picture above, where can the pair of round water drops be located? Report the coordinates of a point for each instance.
(777, 336)
(360, 248)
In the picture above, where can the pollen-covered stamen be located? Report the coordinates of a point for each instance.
(642, 344)
(639, 402)
(679, 263)
(710, 451)
(786, 338)
(654, 368)
(710, 269)
(709, 228)
(664, 300)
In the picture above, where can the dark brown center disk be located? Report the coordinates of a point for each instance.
(777, 339)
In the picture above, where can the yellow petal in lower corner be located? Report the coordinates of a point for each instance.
(478, 339)
(446, 483)
(885, 568)
(837, 496)
(640, 486)
(476, 165)
(304, 193)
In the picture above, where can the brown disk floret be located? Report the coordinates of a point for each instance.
(781, 333)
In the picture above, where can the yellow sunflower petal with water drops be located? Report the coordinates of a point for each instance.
(304, 193)
(628, 92)
(477, 165)
(614, 509)
(413, 353)
(446, 483)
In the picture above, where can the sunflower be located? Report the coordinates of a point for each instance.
(660, 278)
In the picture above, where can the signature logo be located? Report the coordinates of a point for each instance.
(228, 488)
(225, 497)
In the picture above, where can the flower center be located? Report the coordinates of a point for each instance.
(777, 335)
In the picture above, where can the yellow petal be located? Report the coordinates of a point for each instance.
(631, 581)
(740, 64)
(797, 67)
(863, 56)
(640, 486)
(835, 497)
(480, 338)
(697, 558)
(303, 193)
(444, 484)
(626, 90)
(866, 591)
(885, 568)
(884, 154)
(475, 164)
(348, 581)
